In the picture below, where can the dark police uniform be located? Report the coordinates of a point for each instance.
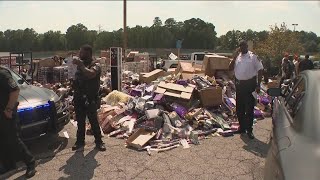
(12, 148)
(86, 100)
(246, 70)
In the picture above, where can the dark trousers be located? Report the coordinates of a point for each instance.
(266, 75)
(12, 148)
(245, 103)
(82, 111)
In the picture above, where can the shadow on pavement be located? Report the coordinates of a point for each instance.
(255, 146)
(79, 166)
(44, 149)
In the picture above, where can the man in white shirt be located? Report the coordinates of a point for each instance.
(248, 73)
(296, 62)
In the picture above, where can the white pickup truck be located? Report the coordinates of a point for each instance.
(196, 57)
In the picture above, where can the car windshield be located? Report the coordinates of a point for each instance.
(199, 57)
(16, 77)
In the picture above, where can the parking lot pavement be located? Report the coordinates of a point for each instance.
(235, 157)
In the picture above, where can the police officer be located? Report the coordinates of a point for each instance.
(86, 97)
(248, 73)
(11, 146)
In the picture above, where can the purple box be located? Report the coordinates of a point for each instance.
(158, 97)
(226, 133)
(136, 92)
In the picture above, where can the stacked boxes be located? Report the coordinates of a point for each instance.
(136, 67)
(60, 74)
(45, 75)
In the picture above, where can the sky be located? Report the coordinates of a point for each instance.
(43, 16)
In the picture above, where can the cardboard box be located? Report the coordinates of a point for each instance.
(186, 76)
(170, 71)
(273, 84)
(199, 68)
(104, 53)
(174, 90)
(140, 138)
(211, 63)
(211, 96)
(184, 67)
(192, 114)
(151, 76)
(189, 67)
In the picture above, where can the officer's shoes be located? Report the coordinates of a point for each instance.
(31, 170)
(240, 131)
(77, 146)
(101, 147)
(250, 135)
(6, 170)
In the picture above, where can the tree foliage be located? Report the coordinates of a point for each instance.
(279, 41)
(195, 33)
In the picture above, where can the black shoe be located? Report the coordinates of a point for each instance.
(6, 170)
(101, 147)
(250, 135)
(240, 132)
(31, 170)
(77, 146)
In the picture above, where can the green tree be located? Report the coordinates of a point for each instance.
(311, 46)
(157, 22)
(76, 36)
(53, 41)
(2, 41)
(104, 40)
(279, 41)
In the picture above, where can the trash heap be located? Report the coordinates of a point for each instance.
(161, 110)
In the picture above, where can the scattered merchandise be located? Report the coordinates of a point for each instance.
(159, 111)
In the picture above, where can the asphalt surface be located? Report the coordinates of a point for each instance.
(235, 157)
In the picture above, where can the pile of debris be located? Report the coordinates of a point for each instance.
(178, 107)
(162, 110)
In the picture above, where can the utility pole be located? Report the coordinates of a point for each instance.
(124, 29)
(294, 27)
(99, 26)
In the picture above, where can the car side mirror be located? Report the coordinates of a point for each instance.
(274, 92)
(20, 81)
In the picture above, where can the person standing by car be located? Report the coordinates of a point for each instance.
(11, 146)
(266, 71)
(246, 67)
(296, 62)
(306, 64)
(287, 69)
(86, 97)
(286, 56)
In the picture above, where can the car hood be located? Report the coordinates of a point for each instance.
(31, 96)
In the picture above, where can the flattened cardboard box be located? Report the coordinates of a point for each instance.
(187, 76)
(174, 90)
(211, 96)
(140, 138)
(151, 76)
(170, 71)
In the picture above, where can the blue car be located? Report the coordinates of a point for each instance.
(294, 152)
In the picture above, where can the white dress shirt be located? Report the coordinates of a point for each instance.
(247, 66)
